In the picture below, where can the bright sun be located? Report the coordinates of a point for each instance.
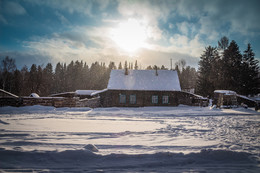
(130, 35)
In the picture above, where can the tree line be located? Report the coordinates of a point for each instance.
(221, 67)
(46, 80)
(224, 67)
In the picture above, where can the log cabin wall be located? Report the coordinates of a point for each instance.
(111, 98)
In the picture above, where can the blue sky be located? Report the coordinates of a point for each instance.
(151, 32)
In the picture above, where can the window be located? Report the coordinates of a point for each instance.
(165, 99)
(154, 99)
(132, 99)
(122, 98)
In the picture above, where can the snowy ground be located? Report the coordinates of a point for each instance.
(150, 139)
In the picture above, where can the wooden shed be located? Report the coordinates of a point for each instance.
(225, 98)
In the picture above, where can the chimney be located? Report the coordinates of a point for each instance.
(126, 71)
(156, 72)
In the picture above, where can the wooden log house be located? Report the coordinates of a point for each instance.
(138, 88)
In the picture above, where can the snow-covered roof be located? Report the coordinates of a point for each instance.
(98, 92)
(85, 92)
(9, 94)
(245, 97)
(226, 92)
(62, 94)
(166, 80)
(34, 95)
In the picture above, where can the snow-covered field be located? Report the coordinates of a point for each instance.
(150, 139)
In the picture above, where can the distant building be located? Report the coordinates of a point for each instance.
(227, 98)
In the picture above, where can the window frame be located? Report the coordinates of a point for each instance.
(165, 96)
(120, 99)
(134, 98)
(157, 99)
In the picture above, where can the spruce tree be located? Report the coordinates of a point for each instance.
(205, 84)
(250, 70)
(223, 43)
(120, 66)
(136, 65)
(33, 78)
(232, 64)
(48, 80)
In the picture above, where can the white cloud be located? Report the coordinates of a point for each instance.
(184, 27)
(149, 11)
(183, 45)
(94, 44)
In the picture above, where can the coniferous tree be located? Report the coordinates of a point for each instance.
(126, 68)
(39, 82)
(33, 78)
(120, 66)
(149, 68)
(59, 78)
(136, 65)
(17, 83)
(223, 43)
(249, 73)
(25, 81)
(163, 67)
(86, 76)
(231, 63)
(205, 85)
(48, 80)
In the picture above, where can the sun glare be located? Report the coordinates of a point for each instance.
(130, 35)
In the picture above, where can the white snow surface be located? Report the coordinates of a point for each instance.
(167, 80)
(85, 92)
(35, 95)
(147, 139)
(226, 92)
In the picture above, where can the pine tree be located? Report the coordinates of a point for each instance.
(249, 73)
(205, 84)
(136, 66)
(48, 80)
(59, 78)
(163, 67)
(39, 83)
(120, 66)
(149, 68)
(33, 78)
(25, 81)
(126, 68)
(231, 63)
(17, 83)
(223, 43)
